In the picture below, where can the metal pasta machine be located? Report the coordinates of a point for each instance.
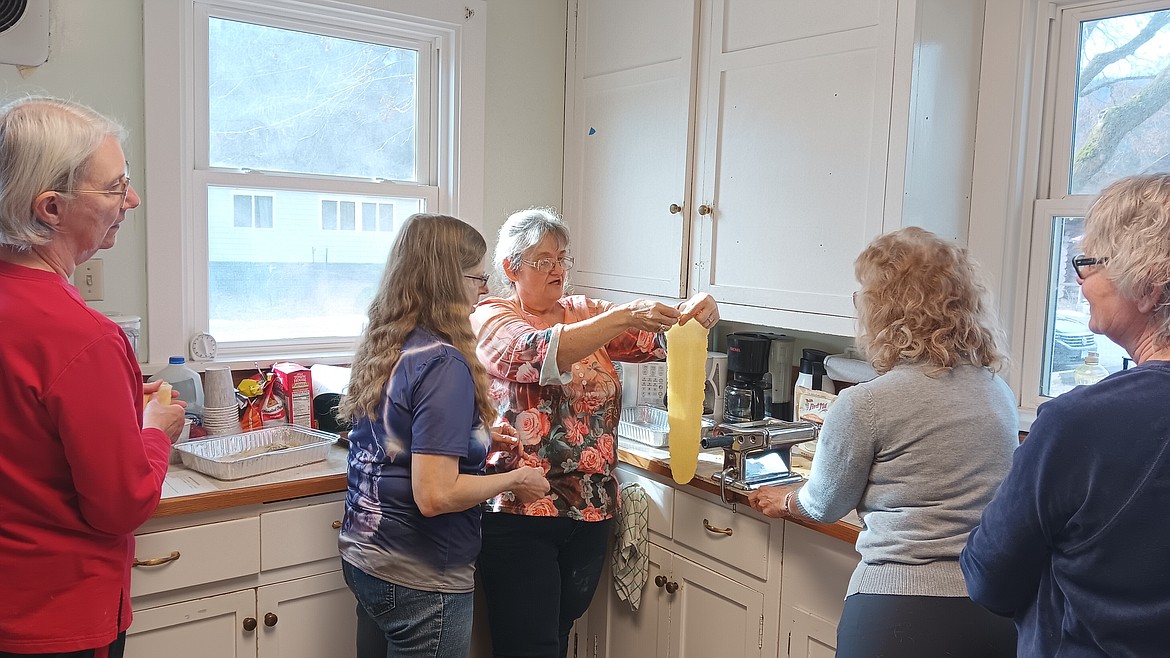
(756, 453)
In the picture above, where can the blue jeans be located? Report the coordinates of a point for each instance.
(396, 621)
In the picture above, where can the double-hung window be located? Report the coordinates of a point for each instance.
(290, 139)
(1105, 72)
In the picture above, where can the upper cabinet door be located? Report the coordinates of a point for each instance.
(794, 113)
(627, 144)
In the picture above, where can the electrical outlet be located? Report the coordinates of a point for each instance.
(90, 280)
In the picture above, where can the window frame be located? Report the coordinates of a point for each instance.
(1047, 129)
(450, 173)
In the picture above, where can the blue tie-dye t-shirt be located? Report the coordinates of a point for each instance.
(428, 407)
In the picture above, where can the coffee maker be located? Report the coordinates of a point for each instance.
(747, 363)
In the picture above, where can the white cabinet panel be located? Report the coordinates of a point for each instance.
(811, 636)
(300, 535)
(736, 540)
(310, 618)
(639, 632)
(713, 615)
(206, 553)
(661, 500)
(752, 23)
(627, 138)
(213, 626)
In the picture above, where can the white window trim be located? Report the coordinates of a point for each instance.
(1013, 195)
(176, 252)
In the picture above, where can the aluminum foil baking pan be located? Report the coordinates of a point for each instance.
(646, 424)
(220, 456)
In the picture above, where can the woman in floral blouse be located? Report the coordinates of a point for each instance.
(550, 360)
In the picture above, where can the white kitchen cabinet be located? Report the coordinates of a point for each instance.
(816, 575)
(249, 583)
(712, 615)
(212, 626)
(628, 135)
(812, 128)
(306, 618)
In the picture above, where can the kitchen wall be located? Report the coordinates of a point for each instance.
(96, 58)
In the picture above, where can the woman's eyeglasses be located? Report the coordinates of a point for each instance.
(121, 189)
(1081, 261)
(546, 265)
(481, 280)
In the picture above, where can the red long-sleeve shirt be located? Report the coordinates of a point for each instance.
(78, 474)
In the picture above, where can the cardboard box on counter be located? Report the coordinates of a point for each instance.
(295, 384)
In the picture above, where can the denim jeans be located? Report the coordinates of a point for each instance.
(538, 576)
(400, 622)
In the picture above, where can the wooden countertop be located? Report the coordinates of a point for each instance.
(189, 492)
(657, 461)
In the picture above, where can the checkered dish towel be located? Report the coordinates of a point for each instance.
(631, 564)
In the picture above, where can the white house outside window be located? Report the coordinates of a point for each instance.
(325, 124)
(1106, 114)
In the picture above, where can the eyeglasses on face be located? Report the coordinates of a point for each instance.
(1082, 261)
(481, 280)
(120, 189)
(546, 265)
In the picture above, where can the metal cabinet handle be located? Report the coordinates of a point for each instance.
(718, 531)
(675, 209)
(671, 587)
(660, 580)
(705, 209)
(336, 525)
(249, 624)
(156, 561)
(270, 619)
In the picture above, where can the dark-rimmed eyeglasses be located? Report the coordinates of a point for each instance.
(481, 280)
(1083, 261)
(120, 189)
(546, 265)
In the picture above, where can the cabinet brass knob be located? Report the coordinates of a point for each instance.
(704, 209)
(660, 580)
(336, 525)
(675, 209)
(718, 531)
(270, 619)
(671, 587)
(249, 624)
(156, 561)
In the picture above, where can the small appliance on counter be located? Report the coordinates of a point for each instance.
(779, 377)
(642, 383)
(747, 363)
(714, 385)
(757, 453)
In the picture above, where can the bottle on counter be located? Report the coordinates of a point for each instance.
(1091, 371)
(185, 381)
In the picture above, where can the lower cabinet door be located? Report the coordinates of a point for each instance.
(214, 626)
(809, 635)
(638, 633)
(711, 615)
(309, 617)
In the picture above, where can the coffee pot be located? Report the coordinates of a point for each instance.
(747, 362)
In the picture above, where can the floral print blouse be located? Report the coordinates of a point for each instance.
(566, 421)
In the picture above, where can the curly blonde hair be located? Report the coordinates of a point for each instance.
(422, 286)
(1129, 224)
(922, 301)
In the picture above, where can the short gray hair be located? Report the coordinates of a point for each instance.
(45, 144)
(1129, 224)
(522, 231)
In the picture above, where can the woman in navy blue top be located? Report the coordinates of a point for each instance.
(418, 399)
(1073, 545)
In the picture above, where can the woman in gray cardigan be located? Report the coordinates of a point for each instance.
(918, 452)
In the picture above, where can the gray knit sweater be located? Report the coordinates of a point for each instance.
(918, 453)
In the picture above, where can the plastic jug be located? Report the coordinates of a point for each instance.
(185, 381)
(1091, 371)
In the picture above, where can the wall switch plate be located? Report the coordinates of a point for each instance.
(90, 280)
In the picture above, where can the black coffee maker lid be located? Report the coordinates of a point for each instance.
(747, 353)
(813, 361)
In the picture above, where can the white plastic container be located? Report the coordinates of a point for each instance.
(131, 326)
(185, 381)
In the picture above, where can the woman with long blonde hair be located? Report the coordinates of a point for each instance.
(918, 452)
(418, 401)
